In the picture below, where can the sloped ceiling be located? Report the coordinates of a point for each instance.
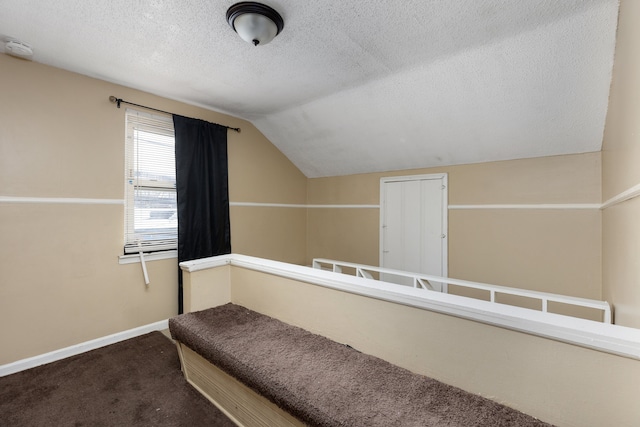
(357, 86)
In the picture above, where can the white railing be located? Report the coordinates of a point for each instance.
(426, 282)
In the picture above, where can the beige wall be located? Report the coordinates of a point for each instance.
(260, 174)
(60, 281)
(60, 137)
(621, 171)
(269, 232)
(543, 249)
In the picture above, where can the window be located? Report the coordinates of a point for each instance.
(151, 219)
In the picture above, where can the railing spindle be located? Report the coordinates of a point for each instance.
(420, 279)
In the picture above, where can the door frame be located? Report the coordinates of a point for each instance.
(445, 214)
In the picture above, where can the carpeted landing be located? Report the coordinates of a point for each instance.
(137, 382)
(326, 384)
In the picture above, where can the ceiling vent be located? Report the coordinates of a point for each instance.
(18, 49)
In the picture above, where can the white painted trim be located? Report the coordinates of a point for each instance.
(631, 193)
(206, 263)
(614, 339)
(153, 256)
(343, 206)
(624, 196)
(60, 200)
(63, 353)
(445, 226)
(413, 177)
(303, 206)
(561, 206)
(267, 205)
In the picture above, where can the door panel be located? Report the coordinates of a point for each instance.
(413, 226)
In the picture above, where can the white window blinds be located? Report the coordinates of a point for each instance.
(151, 220)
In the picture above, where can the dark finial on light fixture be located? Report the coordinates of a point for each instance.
(255, 22)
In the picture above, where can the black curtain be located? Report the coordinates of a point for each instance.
(202, 191)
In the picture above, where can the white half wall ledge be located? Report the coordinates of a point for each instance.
(63, 353)
(614, 339)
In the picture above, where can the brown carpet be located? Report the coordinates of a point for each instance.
(137, 382)
(324, 383)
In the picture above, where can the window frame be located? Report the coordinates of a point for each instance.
(159, 125)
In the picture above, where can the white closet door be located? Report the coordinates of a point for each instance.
(413, 225)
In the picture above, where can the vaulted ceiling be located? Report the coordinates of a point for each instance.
(356, 86)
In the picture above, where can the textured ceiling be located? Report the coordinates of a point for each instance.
(357, 86)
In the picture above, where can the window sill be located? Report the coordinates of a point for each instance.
(154, 256)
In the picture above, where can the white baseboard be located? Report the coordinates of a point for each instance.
(32, 362)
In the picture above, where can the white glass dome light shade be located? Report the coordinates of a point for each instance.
(254, 22)
(255, 28)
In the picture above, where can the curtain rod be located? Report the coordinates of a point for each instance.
(119, 101)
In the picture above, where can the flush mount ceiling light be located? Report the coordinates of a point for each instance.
(254, 22)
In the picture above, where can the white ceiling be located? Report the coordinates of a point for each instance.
(356, 86)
